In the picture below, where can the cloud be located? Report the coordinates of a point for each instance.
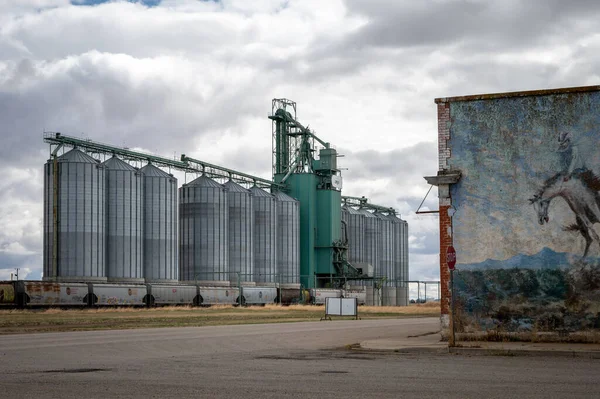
(197, 77)
(486, 25)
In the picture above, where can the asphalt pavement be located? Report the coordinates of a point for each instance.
(329, 359)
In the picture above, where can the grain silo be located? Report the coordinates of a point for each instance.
(355, 231)
(356, 236)
(240, 227)
(264, 237)
(77, 252)
(124, 221)
(401, 261)
(344, 219)
(160, 225)
(288, 239)
(371, 253)
(204, 232)
(386, 259)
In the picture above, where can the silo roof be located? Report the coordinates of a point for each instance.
(234, 187)
(353, 211)
(204, 181)
(152, 171)
(115, 163)
(257, 192)
(367, 213)
(283, 197)
(76, 155)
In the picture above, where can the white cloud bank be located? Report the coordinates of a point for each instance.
(198, 77)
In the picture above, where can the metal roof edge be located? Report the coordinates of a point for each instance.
(528, 93)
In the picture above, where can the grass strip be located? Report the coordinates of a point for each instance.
(56, 320)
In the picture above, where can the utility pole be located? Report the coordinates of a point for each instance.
(17, 274)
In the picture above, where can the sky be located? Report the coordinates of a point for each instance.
(197, 77)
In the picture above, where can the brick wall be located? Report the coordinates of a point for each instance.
(445, 242)
(443, 135)
(445, 204)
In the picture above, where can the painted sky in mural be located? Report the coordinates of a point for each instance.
(508, 150)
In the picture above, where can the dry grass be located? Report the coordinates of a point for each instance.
(579, 337)
(55, 319)
(430, 309)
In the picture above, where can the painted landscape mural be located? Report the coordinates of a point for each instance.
(527, 212)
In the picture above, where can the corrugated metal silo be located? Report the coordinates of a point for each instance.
(397, 258)
(355, 230)
(356, 236)
(124, 221)
(240, 225)
(372, 240)
(160, 225)
(386, 259)
(81, 244)
(264, 237)
(344, 219)
(204, 218)
(288, 239)
(371, 254)
(402, 258)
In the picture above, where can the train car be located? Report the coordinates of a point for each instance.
(37, 293)
(360, 295)
(118, 294)
(42, 294)
(161, 295)
(319, 295)
(218, 295)
(8, 294)
(289, 296)
(258, 295)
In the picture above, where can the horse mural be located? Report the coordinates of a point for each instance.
(580, 191)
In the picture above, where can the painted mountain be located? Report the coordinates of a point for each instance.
(545, 259)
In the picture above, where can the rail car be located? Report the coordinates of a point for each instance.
(320, 295)
(36, 294)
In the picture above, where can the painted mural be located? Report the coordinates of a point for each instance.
(526, 216)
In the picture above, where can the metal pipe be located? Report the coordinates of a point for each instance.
(58, 138)
(186, 160)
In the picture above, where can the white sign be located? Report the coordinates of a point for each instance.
(341, 307)
(336, 182)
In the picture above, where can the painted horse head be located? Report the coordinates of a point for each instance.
(541, 207)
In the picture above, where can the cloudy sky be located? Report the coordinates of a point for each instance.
(198, 77)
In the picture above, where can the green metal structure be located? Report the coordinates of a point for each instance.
(316, 183)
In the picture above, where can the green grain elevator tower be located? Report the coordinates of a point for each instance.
(317, 184)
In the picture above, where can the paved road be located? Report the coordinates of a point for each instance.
(272, 361)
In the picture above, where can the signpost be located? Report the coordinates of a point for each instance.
(451, 262)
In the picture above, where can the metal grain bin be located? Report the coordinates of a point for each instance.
(288, 239)
(386, 259)
(401, 260)
(371, 255)
(264, 237)
(204, 231)
(372, 239)
(160, 225)
(80, 210)
(240, 225)
(401, 263)
(344, 219)
(356, 236)
(124, 222)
